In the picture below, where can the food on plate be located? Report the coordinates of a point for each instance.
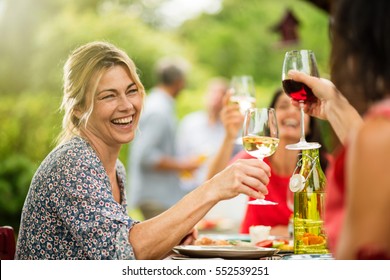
(281, 244)
(206, 241)
(264, 243)
(286, 247)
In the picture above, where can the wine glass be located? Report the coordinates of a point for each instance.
(304, 61)
(243, 93)
(260, 137)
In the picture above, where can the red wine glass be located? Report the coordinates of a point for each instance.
(304, 61)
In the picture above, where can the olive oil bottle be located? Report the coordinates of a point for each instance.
(309, 197)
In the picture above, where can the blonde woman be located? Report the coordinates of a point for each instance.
(76, 204)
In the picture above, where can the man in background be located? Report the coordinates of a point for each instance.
(154, 168)
(200, 135)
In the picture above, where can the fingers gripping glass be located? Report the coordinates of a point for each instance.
(304, 61)
(260, 137)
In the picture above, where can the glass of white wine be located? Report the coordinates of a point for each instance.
(243, 93)
(260, 137)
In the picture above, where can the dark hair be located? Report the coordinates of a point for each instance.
(315, 131)
(170, 70)
(360, 58)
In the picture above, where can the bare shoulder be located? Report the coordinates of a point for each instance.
(372, 139)
(368, 157)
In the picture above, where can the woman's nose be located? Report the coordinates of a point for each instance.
(125, 103)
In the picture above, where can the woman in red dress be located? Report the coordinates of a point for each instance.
(282, 162)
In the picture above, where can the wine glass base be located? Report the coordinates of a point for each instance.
(262, 202)
(303, 146)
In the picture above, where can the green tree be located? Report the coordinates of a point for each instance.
(239, 38)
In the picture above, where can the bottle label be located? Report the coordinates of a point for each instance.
(297, 183)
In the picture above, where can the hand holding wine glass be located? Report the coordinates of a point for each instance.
(243, 92)
(260, 137)
(304, 61)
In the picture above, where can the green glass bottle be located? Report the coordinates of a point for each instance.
(309, 196)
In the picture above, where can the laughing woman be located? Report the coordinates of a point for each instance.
(76, 206)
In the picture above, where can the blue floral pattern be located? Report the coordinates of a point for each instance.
(70, 212)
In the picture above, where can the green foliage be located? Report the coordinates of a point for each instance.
(31, 122)
(239, 39)
(16, 172)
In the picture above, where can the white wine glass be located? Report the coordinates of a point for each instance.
(304, 61)
(243, 93)
(260, 137)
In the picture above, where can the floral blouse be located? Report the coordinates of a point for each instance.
(70, 212)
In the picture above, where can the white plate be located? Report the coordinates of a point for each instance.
(226, 252)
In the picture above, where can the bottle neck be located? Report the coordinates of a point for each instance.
(312, 171)
(310, 157)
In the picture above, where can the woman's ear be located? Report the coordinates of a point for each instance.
(77, 112)
(77, 116)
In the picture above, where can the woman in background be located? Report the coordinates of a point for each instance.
(282, 162)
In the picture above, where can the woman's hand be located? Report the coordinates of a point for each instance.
(323, 89)
(245, 176)
(190, 237)
(231, 117)
(331, 105)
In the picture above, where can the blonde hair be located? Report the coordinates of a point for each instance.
(82, 72)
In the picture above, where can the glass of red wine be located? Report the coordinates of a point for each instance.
(304, 61)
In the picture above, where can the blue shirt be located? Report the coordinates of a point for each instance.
(70, 211)
(155, 139)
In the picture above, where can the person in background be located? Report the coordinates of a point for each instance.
(154, 165)
(358, 190)
(76, 205)
(201, 133)
(282, 162)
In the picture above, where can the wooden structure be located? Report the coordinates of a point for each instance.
(288, 28)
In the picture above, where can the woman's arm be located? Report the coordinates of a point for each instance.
(154, 238)
(366, 229)
(232, 121)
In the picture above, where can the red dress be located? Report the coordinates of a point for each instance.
(268, 215)
(335, 198)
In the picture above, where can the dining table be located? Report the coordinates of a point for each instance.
(231, 246)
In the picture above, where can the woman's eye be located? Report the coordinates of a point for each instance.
(107, 96)
(132, 91)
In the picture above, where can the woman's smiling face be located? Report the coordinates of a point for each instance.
(117, 108)
(288, 118)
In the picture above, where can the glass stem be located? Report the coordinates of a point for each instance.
(301, 104)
